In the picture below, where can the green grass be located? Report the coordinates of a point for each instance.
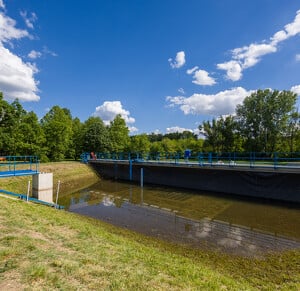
(44, 249)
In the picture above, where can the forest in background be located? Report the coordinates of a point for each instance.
(267, 121)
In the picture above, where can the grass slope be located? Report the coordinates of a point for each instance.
(73, 176)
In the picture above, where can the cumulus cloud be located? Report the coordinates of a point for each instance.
(296, 89)
(248, 56)
(233, 68)
(174, 129)
(179, 60)
(223, 102)
(34, 54)
(202, 77)
(29, 19)
(16, 77)
(297, 57)
(110, 109)
(2, 4)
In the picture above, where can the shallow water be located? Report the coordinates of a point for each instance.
(205, 220)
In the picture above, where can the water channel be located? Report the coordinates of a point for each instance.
(205, 220)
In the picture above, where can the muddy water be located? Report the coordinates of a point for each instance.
(222, 222)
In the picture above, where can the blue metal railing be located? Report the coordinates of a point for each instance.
(233, 159)
(18, 165)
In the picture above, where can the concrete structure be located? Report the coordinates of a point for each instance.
(42, 187)
(278, 184)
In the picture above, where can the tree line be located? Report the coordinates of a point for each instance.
(266, 121)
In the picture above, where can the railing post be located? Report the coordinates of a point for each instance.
(275, 160)
(130, 170)
(142, 177)
(200, 159)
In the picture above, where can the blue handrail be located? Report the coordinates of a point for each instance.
(18, 165)
(231, 159)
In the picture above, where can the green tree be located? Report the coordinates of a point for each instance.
(57, 126)
(263, 119)
(7, 122)
(168, 145)
(95, 135)
(156, 147)
(118, 134)
(293, 132)
(77, 138)
(31, 136)
(212, 131)
(140, 144)
(20, 131)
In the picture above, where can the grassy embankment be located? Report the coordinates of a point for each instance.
(44, 248)
(73, 176)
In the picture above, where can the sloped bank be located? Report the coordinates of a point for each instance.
(72, 175)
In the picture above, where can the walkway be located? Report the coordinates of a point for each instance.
(11, 166)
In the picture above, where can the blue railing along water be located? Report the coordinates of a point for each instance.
(232, 159)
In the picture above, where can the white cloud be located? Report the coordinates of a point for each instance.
(179, 60)
(296, 89)
(110, 109)
(157, 131)
(293, 28)
(233, 68)
(133, 129)
(29, 20)
(8, 31)
(248, 56)
(223, 102)
(192, 70)
(174, 129)
(297, 57)
(34, 54)
(16, 77)
(2, 4)
(202, 78)
(181, 91)
(49, 52)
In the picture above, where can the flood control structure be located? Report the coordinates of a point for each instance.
(276, 179)
(42, 183)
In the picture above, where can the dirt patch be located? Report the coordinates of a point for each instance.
(11, 282)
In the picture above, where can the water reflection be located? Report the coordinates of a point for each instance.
(231, 225)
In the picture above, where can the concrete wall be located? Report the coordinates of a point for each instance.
(272, 184)
(42, 187)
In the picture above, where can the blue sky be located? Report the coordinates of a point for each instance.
(163, 65)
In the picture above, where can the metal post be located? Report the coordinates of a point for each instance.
(142, 177)
(142, 196)
(28, 191)
(210, 158)
(130, 170)
(57, 192)
(275, 160)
